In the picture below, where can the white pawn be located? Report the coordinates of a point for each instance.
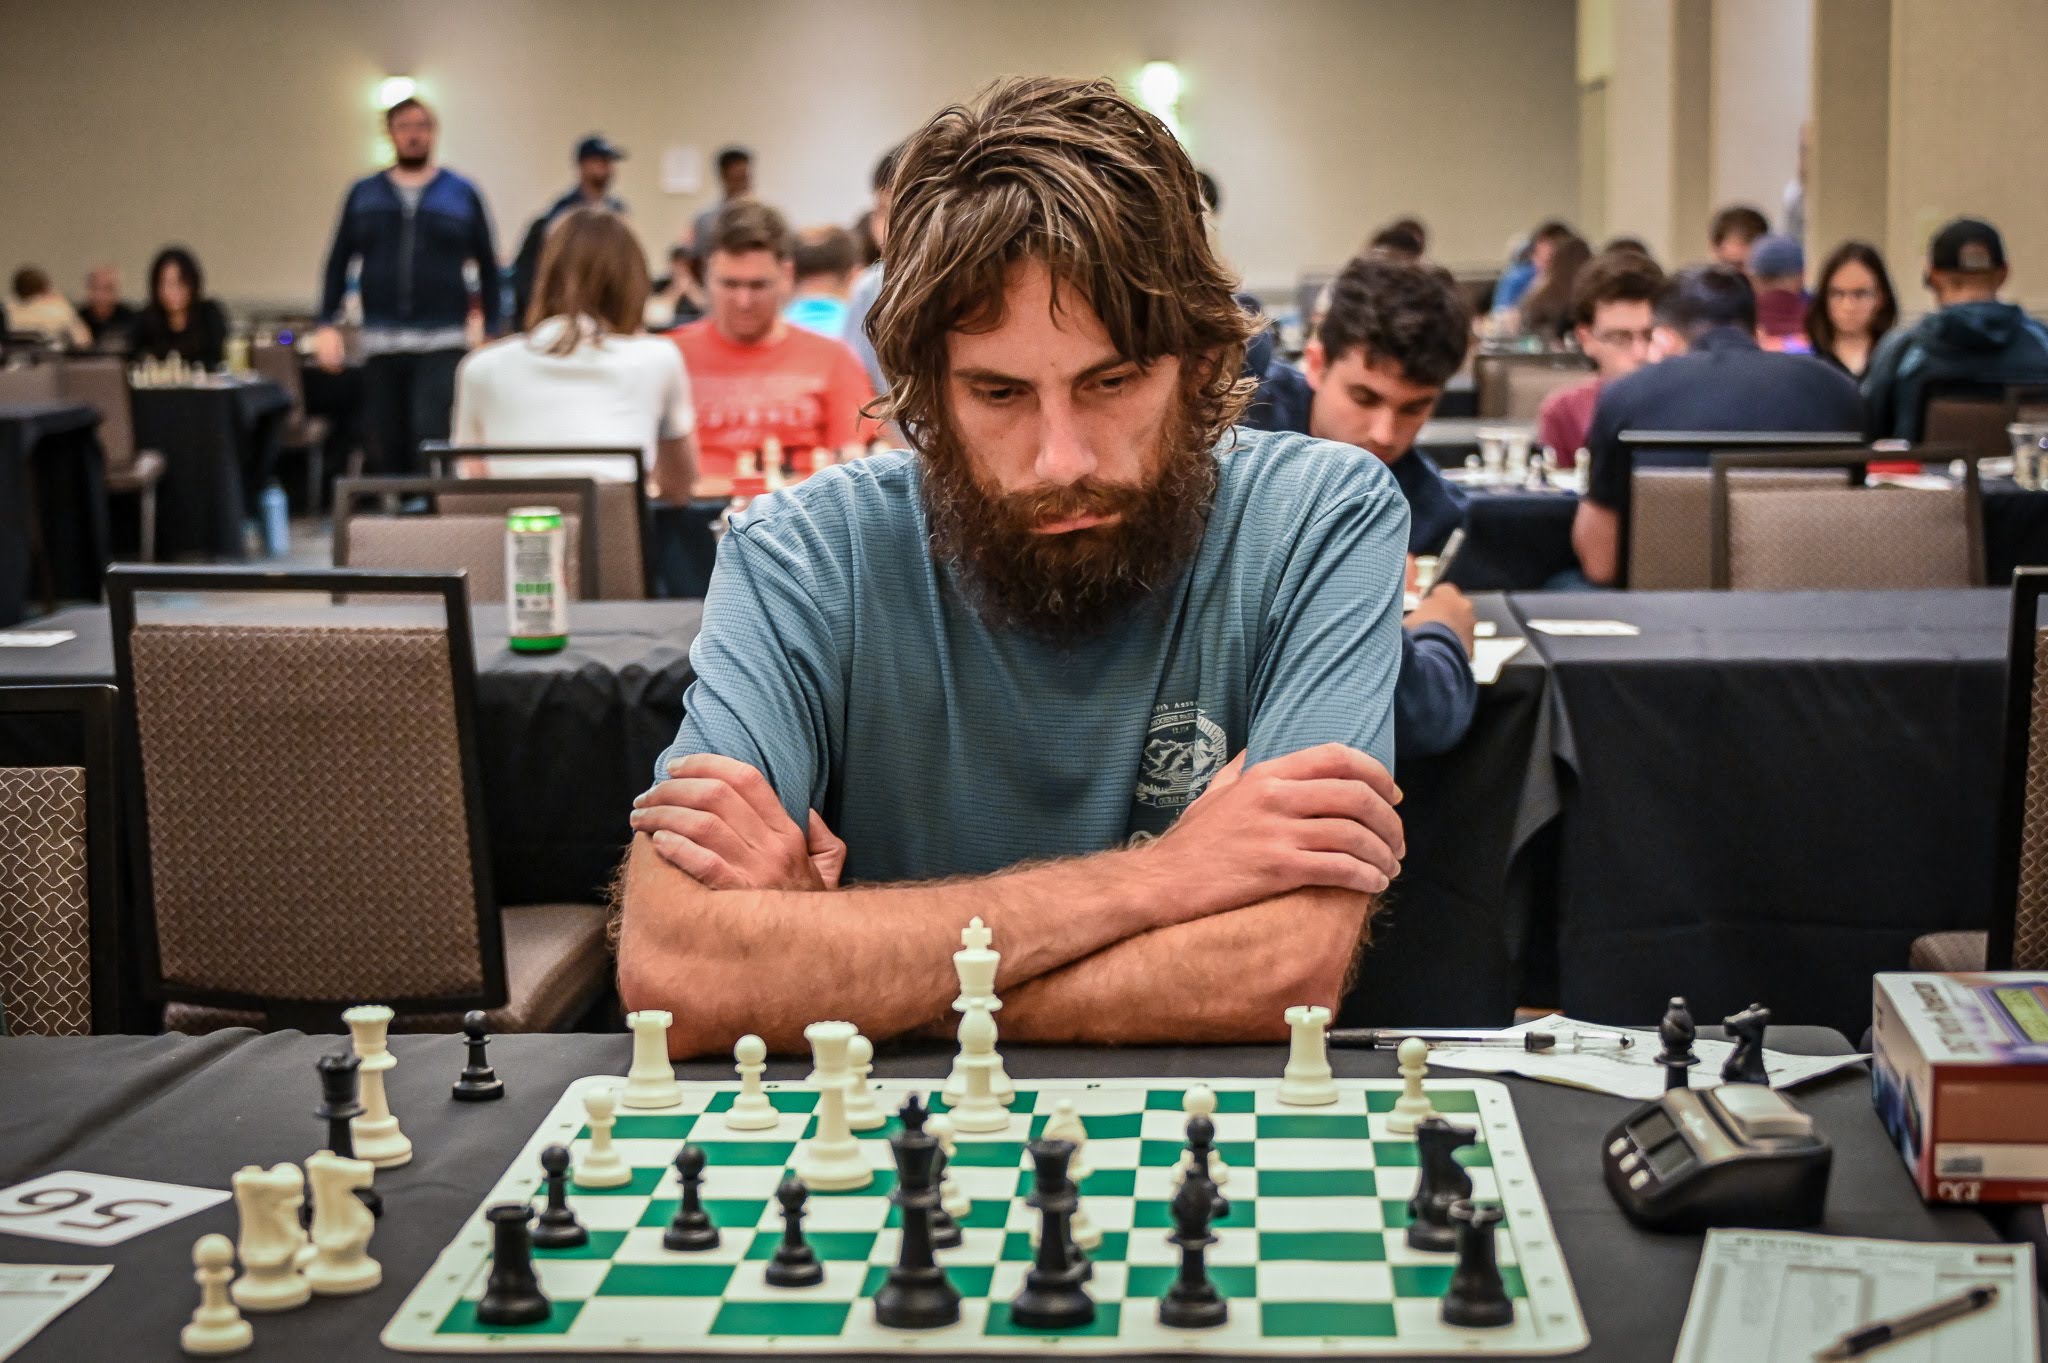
(978, 1109)
(1306, 1082)
(863, 1113)
(952, 1200)
(601, 1165)
(268, 1202)
(1200, 1101)
(216, 1326)
(1413, 1104)
(1065, 1124)
(341, 1265)
(375, 1134)
(751, 1110)
(651, 1082)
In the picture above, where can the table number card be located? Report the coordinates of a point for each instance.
(36, 638)
(1588, 629)
(97, 1209)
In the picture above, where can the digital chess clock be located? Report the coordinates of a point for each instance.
(1737, 1155)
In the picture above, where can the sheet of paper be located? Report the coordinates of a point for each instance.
(97, 1209)
(1629, 1073)
(1485, 629)
(1786, 1295)
(1619, 629)
(36, 638)
(33, 1295)
(1490, 655)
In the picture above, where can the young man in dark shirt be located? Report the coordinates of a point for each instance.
(1709, 375)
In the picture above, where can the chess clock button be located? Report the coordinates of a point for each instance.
(1761, 1113)
(1618, 1146)
(1629, 1163)
(1639, 1179)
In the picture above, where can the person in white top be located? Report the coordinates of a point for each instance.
(582, 375)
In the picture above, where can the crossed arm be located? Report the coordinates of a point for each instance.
(1257, 898)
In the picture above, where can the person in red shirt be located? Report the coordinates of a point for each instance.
(1611, 305)
(754, 376)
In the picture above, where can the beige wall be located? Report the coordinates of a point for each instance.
(1762, 92)
(1968, 125)
(235, 126)
(1846, 188)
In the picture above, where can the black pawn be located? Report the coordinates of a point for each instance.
(692, 1228)
(1477, 1298)
(1192, 1302)
(795, 1263)
(1201, 1145)
(1442, 1183)
(558, 1227)
(340, 1100)
(512, 1295)
(1745, 1064)
(479, 1082)
(916, 1295)
(1053, 1298)
(1678, 1032)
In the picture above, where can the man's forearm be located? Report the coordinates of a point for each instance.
(727, 962)
(1228, 977)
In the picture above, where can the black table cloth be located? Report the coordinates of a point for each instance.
(52, 485)
(566, 740)
(219, 444)
(2015, 528)
(1769, 795)
(192, 1110)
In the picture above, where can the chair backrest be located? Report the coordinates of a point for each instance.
(1502, 380)
(307, 819)
(2019, 912)
(455, 528)
(1775, 536)
(29, 383)
(1671, 541)
(61, 958)
(624, 573)
(101, 382)
(1974, 424)
(281, 365)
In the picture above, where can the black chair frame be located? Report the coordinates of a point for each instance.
(440, 457)
(395, 491)
(2029, 585)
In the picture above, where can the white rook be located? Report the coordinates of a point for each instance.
(651, 1082)
(1306, 1082)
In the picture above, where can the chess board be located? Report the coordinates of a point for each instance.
(1311, 1256)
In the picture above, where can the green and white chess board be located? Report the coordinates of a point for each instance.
(1312, 1256)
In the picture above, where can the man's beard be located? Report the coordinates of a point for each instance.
(407, 161)
(1071, 586)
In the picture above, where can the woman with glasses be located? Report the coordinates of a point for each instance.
(1853, 307)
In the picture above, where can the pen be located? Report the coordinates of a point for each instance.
(1861, 1341)
(1376, 1038)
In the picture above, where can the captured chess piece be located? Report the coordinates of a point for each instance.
(916, 1295)
(795, 1263)
(339, 1107)
(1053, 1298)
(1678, 1032)
(1745, 1063)
(270, 1238)
(558, 1227)
(341, 1265)
(216, 1326)
(691, 1229)
(512, 1294)
(1441, 1183)
(377, 1136)
(479, 1082)
(1192, 1302)
(1477, 1298)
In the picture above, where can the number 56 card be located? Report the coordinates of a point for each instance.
(97, 1209)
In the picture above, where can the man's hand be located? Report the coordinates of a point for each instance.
(1323, 817)
(1446, 605)
(719, 822)
(327, 349)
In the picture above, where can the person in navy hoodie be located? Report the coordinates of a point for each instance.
(419, 236)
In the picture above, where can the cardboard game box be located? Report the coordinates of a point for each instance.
(1959, 1071)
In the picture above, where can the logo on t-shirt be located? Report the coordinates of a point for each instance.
(1184, 749)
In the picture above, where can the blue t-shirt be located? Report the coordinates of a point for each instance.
(814, 312)
(842, 661)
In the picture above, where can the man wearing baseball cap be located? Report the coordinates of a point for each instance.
(1972, 338)
(597, 161)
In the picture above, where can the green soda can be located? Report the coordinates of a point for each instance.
(536, 579)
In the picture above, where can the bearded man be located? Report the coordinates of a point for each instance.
(1086, 661)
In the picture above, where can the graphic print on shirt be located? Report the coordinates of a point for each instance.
(739, 413)
(1184, 749)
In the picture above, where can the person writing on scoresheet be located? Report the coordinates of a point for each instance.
(1118, 675)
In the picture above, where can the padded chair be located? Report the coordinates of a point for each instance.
(282, 366)
(624, 573)
(101, 382)
(307, 819)
(60, 925)
(2018, 936)
(1514, 384)
(1843, 538)
(453, 532)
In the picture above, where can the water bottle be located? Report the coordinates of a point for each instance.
(277, 523)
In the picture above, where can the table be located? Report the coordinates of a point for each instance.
(194, 1109)
(566, 739)
(219, 443)
(1769, 795)
(52, 484)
